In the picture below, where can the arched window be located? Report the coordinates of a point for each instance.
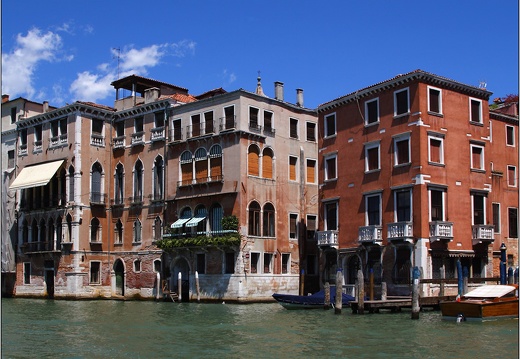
(69, 228)
(119, 232)
(158, 178)
(267, 163)
(253, 157)
(137, 231)
(71, 184)
(157, 228)
(201, 165)
(269, 220)
(215, 160)
(216, 213)
(199, 219)
(254, 219)
(186, 168)
(96, 189)
(95, 230)
(138, 181)
(119, 192)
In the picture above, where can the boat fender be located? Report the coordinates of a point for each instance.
(461, 318)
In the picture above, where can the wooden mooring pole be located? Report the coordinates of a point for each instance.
(383, 291)
(326, 301)
(361, 292)
(415, 293)
(371, 284)
(179, 286)
(443, 276)
(339, 292)
(197, 285)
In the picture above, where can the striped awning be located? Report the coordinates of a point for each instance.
(195, 220)
(180, 222)
(35, 176)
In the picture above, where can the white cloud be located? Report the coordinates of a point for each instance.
(91, 87)
(19, 65)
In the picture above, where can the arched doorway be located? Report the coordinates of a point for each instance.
(353, 265)
(119, 270)
(180, 265)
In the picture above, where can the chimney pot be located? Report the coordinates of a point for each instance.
(5, 98)
(278, 90)
(151, 95)
(299, 97)
(45, 106)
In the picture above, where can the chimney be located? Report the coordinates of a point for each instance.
(5, 98)
(151, 95)
(278, 90)
(45, 106)
(299, 97)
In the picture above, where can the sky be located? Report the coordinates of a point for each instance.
(66, 51)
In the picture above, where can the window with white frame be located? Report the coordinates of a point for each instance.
(330, 167)
(478, 203)
(437, 211)
(137, 231)
(158, 178)
(511, 176)
(401, 102)
(286, 263)
(118, 229)
(137, 266)
(311, 171)
(176, 131)
(157, 266)
(293, 128)
(254, 259)
(268, 122)
(10, 159)
(513, 222)
(330, 125)
(372, 162)
(477, 157)
(95, 230)
(475, 110)
(496, 216)
(373, 209)
(97, 135)
(268, 262)
(269, 220)
(208, 122)
(119, 193)
(372, 111)
(138, 181)
(402, 149)
(253, 118)
(510, 135)
(403, 205)
(311, 227)
(95, 272)
(293, 168)
(436, 148)
(331, 216)
(157, 228)
(254, 219)
(311, 131)
(138, 125)
(434, 100)
(293, 226)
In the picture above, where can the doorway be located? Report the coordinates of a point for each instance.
(182, 266)
(49, 281)
(119, 270)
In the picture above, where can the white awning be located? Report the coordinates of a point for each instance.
(490, 291)
(195, 220)
(35, 176)
(180, 222)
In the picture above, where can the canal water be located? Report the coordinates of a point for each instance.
(35, 328)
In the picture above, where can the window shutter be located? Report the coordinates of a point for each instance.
(267, 165)
(311, 175)
(252, 165)
(292, 168)
(216, 168)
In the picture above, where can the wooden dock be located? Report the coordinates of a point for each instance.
(395, 304)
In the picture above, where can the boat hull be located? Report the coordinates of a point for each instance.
(480, 310)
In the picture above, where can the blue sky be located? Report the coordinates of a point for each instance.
(63, 51)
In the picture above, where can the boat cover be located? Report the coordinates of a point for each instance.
(490, 291)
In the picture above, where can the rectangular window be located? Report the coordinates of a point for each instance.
(196, 127)
(229, 118)
(208, 123)
(311, 171)
(403, 206)
(293, 161)
(201, 263)
(97, 127)
(401, 102)
(311, 227)
(230, 263)
(513, 222)
(330, 125)
(372, 157)
(436, 149)
(137, 266)
(268, 122)
(436, 205)
(293, 226)
(496, 217)
(330, 168)
(176, 130)
(10, 159)
(312, 264)
(475, 110)
(331, 216)
(477, 157)
(268, 262)
(27, 273)
(23, 137)
(434, 100)
(253, 118)
(293, 130)
(254, 262)
(95, 268)
(14, 110)
(311, 132)
(286, 263)
(479, 214)
(373, 210)
(402, 150)
(511, 176)
(510, 135)
(120, 129)
(372, 111)
(138, 125)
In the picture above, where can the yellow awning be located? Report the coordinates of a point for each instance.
(34, 176)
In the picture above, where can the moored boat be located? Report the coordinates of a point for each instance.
(313, 301)
(483, 303)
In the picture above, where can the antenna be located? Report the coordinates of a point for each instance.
(118, 59)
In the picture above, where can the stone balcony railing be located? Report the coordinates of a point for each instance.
(483, 233)
(158, 134)
(137, 138)
(97, 140)
(327, 238)
(440, 230)
(118, 142)
(370, 234)
(400, 231)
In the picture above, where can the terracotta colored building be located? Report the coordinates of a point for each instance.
(416, 171)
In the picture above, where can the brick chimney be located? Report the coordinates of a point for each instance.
(5, 98)
(278, 90)
(151, 94)
(299, 97)
(45, 106)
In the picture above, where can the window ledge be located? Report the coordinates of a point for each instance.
(372, 171)
(331, 136)
(136, 243)
(402, 164)
(436, 114)
(371, 124)
(478, 170)
(402, 115)
(436, 164)
(480, 124)
(330, 180)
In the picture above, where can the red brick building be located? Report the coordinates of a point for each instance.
(415, 171)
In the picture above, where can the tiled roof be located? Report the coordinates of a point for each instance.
(211, 93)
(93, 104)
(179, 97)
(142, 83)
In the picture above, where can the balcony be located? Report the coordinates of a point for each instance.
(269, 131)
(22, 150)
(200, 129)
(117, 202)
(483, 233)
(227, 123)
(156, 197)
(97, 140)
(327, 238)
(370, 234)
(158, 134)
(136, 200)
(441, 231)
(37, 146)
(176, 135)
(98, 199)
(199, 181)
(137, 139)
(119, 142)
(38, 247)
(58, 141)
(255, 127)
(400, 231)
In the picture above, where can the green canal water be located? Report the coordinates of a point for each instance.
(33, 328)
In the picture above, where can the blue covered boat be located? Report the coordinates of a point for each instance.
(314, 301)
